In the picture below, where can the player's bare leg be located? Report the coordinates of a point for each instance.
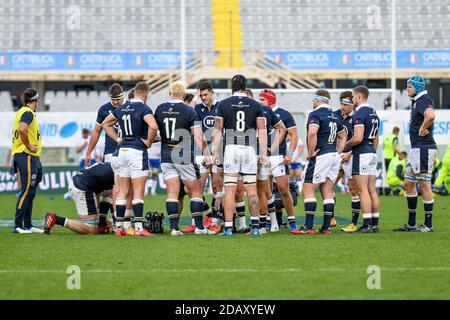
(339, 177)
(88, 225)
(124, 184)
(80, 227)
(129, 212)
(356, 206)
(217, 185)
(253, 202)
(375, 203)
(206, 209)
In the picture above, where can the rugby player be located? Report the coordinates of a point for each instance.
(89, 184)
(135, 120)
(281, 159)
(326, 137)
(345, 115)
(421, 156)
(117, 97)
(178, 125)
(364, 144)
(240, 117)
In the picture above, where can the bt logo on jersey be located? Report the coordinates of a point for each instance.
(208, 122)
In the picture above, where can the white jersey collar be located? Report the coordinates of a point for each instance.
(362, 105)
(239, 94)
(323, 106)
(416, 97)
(137, 100)
(212, 105)
(176, 101)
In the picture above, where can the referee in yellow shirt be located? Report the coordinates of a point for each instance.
(26, 152)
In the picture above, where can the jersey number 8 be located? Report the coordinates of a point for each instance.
(240, 121)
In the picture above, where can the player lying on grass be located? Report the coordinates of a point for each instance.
(90, 187)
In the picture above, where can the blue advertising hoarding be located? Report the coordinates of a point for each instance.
(159, 61)
(90, 61)
(359, 60)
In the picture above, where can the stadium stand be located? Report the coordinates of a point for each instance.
(83, 25)
(349, 25)
(281, 25)
(343, 25)
(75, 101)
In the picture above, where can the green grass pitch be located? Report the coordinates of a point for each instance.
(273, 266)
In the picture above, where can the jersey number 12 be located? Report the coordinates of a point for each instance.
(374, 130)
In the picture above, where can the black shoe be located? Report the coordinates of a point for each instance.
(376, 229)
(243, 230)
(365, 229)
(405, 228)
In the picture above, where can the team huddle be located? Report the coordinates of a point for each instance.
(243, 146)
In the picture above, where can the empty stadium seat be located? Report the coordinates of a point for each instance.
(47, 27)
(344, 24)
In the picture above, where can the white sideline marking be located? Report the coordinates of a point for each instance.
(10, 223)
(294, 270)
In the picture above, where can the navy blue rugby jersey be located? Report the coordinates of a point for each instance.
(130, 118)
(420, 104)
(329, 127)
(367, 117)
(175, 122)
